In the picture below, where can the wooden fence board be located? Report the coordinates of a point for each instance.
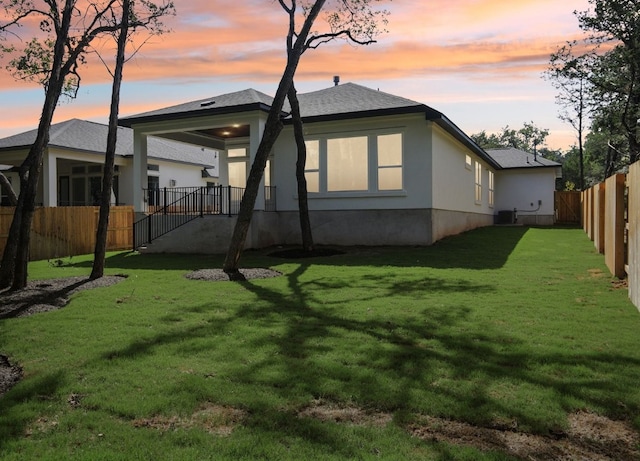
(599, 191)
(68, 231)
(614, 223)
(633, 236)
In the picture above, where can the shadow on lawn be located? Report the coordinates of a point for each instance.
(484, 248)
(16, 416)
(438, 361)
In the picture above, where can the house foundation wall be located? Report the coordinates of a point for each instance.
(211, 234)
(360, 227)
(446, 222)
(536, 219)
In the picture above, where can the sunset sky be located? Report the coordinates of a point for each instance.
(480, 62)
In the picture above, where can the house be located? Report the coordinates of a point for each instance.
(74, 158)
(526, 182)
(381, 169)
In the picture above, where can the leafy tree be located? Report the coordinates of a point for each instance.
(67, 30)
(355, 20)
(602, 72)
(527, 138)
(615, 77)
(569, 75)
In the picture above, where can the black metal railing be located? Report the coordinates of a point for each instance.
(169, 208)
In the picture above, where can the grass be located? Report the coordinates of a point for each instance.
(499, 326)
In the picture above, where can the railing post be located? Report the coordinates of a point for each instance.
(229, 199)
(149, 218)
(201, 201)
(164, 203)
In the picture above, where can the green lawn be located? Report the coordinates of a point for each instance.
(499, 326)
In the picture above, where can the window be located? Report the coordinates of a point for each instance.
(237, 152)
(238, 174)
(237, 166)
(390, 162)
(478, 182)
(347, 164)
(153, 184)
(467, 162)
(151, 167)
(357, 163)
(491, 188)
(312, 166)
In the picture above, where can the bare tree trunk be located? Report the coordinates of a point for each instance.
(272, 130)
(13, 271)
(15, 259)
(112, 137)
(6, 187)
(303, 202)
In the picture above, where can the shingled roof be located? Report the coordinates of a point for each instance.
(91, 137)
(510, 157)
(339, 102)
(239, 101)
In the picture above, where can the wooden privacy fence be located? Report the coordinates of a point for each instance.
(68, 231)
(610, 212)
(567, 206)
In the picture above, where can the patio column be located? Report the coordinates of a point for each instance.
(139, 170)
(49, 180)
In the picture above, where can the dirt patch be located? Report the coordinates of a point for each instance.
(218, 275)
(10, 374)
(589, 437)
(215, 419)
(325, 411)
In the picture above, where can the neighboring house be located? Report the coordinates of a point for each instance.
(381, 169)
(525, 186)
(74, 159)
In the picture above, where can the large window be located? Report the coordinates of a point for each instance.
(359, 163)
(312, 166)
(347, 164)
(390, 162)
(237, 158)
(478, 182)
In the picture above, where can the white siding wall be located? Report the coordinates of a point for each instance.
(453, 182)
(522, 189)
(416, 193)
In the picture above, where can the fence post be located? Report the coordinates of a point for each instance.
(229, 200)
